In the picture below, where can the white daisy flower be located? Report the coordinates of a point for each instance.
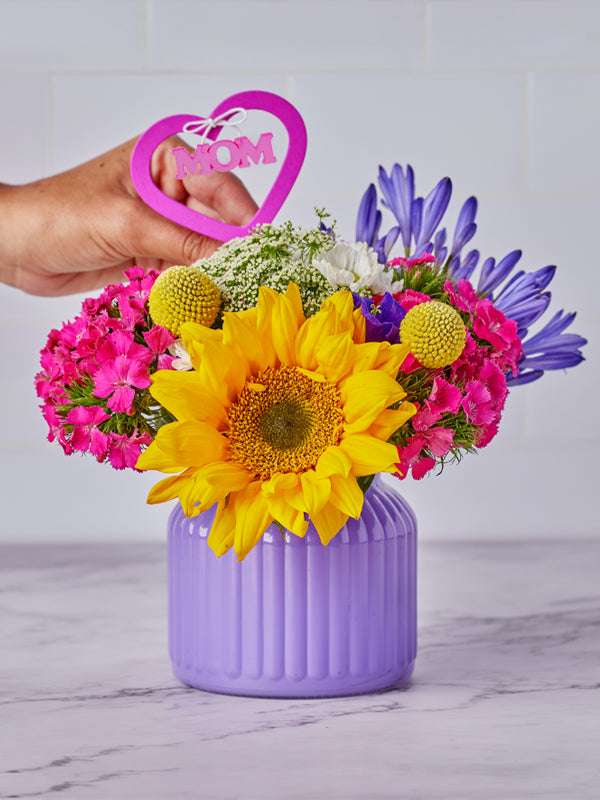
(355, 266)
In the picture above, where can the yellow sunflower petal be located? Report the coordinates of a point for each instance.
(240, 332)
(182, 393)
(264, 312)
(194, 332)
(252, 518)
(360, 326)
(390, 357)
(223, 371)
(333, 462)
(169, 488)
(180, 486)
(215, 481)
(277, 491)
(291, 519)
(195, 351)
(346, 495)
(188, 497)
(292, 293)
(280, 482)
(194, 336)
(352, 319)
(315, 491)
(266, 300)
(367, 355)
(314, 331)
(368, 454)
(381, 356)
(286, 320)
(220, 538)
(365, 395)
(217, 365)
(389, 420)
(328, 522)
(336, 356)
(183, 444)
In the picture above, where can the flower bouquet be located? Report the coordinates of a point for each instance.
(273, 380)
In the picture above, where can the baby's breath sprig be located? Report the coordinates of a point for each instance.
(271, 256)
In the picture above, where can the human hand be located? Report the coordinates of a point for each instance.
(79, 230)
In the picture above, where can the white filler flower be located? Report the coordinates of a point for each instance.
(354, 266)
(182, 361)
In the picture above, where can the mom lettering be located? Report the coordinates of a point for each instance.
(223, 155)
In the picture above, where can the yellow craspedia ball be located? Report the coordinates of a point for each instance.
(435, 332)
(183, 294)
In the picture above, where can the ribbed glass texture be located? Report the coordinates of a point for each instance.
(295, 618)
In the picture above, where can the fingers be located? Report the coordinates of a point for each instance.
(163, 169)
(225, 193)
(73, 282)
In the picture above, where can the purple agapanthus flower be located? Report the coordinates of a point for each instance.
(521, 297)
(368, 222)
(550, 348)
(382, 321)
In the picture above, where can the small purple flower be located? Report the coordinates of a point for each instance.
(383, 320)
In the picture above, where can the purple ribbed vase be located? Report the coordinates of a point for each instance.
(295, 618)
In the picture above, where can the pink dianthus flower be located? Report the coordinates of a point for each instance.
(125, 450)
(86, 435)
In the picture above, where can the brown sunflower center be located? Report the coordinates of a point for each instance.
(283, 421)
(286, 425)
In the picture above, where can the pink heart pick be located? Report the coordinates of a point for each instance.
(194, 220)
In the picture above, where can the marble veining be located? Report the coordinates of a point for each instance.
(504, 703)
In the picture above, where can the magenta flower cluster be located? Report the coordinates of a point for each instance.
(95, 371)
(459, 406)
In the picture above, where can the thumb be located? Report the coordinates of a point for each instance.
(155, 237)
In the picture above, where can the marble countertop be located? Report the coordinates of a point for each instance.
(504, 703)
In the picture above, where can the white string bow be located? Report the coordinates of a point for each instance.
(228, 119)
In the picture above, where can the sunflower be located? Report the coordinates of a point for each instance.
(278, 418)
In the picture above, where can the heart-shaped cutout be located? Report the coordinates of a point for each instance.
(194, 220)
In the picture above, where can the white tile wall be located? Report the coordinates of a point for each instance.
(51, 497)
(514, 34)
(564, 134)
(104, 35)
(502, 95)
(24, 138)
(316, 35)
